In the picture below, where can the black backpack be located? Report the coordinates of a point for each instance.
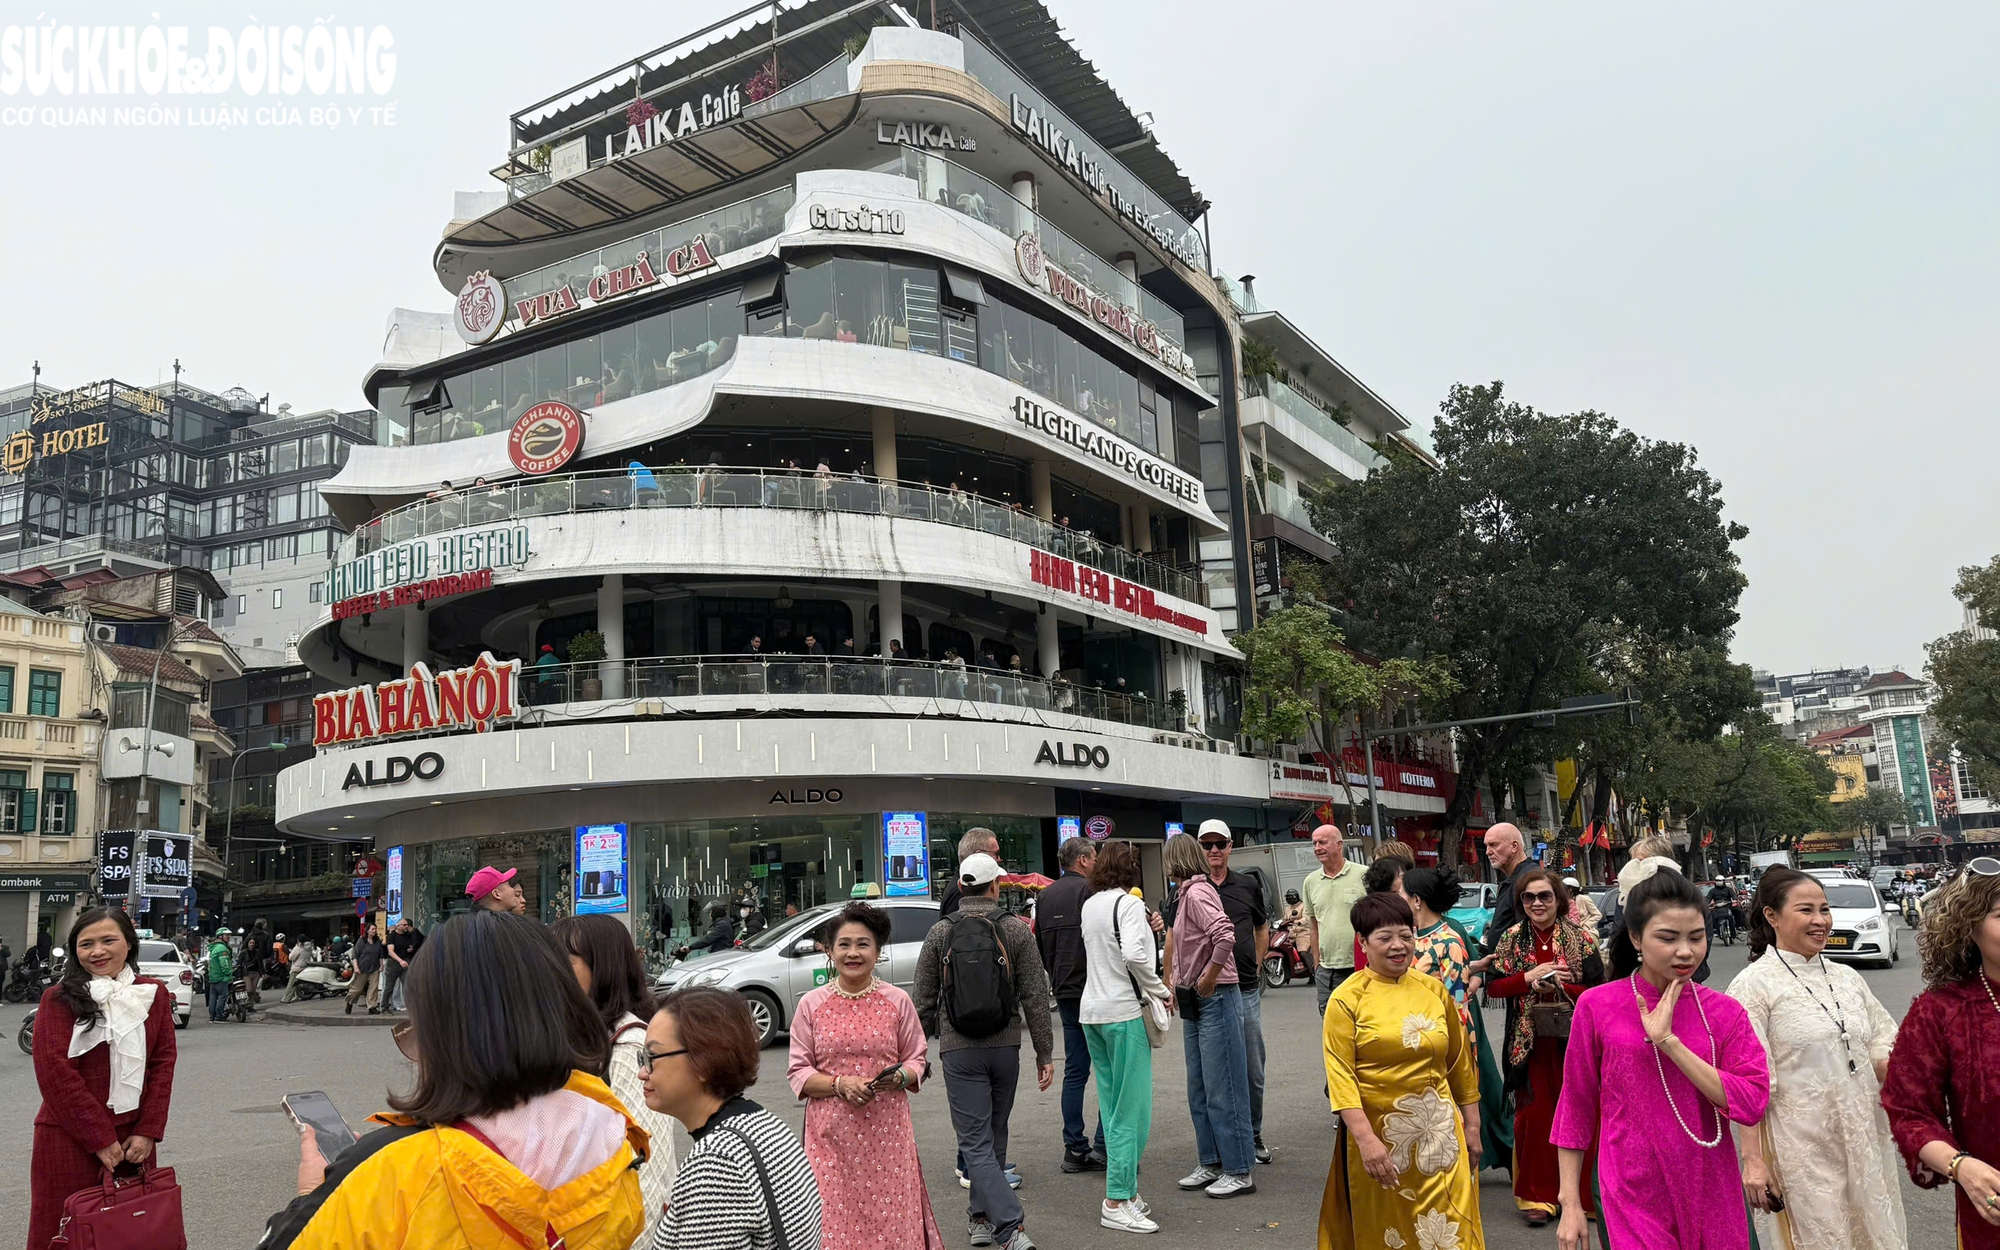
(976, 990)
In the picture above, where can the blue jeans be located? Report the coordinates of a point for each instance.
(1218, 1083)
(1076, 1074)
(1253, 1053)
(218, 999)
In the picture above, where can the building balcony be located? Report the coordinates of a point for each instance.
(49, 736)
(682, 487)
(1287, 406)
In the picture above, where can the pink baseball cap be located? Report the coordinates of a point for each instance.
(487, 880)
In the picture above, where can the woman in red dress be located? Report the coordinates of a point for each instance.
(104, 1058)
(1543, 959)
(1943, 1088)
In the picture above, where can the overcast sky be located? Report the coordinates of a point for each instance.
(1767, 230)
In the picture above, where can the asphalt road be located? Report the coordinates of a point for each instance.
(236, 1154)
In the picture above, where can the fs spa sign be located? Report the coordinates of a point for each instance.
(476, 697)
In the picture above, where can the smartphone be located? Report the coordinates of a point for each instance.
(313, 1109)
(884, 1078)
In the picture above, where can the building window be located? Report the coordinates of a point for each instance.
(6, 688)
(58, 804)
(44, 692)
(242, 604)
(17, 802)
(278, 597)
(313, 591)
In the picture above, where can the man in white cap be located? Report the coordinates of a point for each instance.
(979, 977)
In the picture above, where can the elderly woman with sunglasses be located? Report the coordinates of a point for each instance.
(1942, 1091)
(1540, 966)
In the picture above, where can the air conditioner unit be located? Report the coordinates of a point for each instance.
(103, 633)
(1290, 754)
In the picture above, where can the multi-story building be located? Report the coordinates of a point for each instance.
(134, 478)
(777, 358)
(48, 771)
(1807, 704)
(1898, 716)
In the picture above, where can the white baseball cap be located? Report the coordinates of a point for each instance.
(1220, 827)
(978, 869)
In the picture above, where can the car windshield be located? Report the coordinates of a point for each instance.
(158, 952)
(1472, 895)
(1856, 895)
(795, 927)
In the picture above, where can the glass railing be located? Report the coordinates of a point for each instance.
(824, 83)
(1281, 502)
(693, 676)
(1179, 236)
(723, 230)
(1319, 421)
(945, 182)
(717, 486)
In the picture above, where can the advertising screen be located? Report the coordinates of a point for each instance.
(600, 870)
(392, 903)
(906, 850)
(1068, 827)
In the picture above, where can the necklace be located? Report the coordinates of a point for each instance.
(1840, 1020)
(863, 992)
(1988, 985)
(1661, 1068)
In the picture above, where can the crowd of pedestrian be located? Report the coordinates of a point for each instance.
(1638, 1099)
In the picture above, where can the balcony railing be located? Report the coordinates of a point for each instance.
(1318, 420)
(694, 676)
(717, 486)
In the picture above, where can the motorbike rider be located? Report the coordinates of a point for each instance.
(1722, 908)
(221, 971)
(304, 955)
(1294, 908)
(721, 933)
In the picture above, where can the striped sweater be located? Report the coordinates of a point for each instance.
(719, 1202)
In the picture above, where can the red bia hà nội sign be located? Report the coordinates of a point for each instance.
(462, 698)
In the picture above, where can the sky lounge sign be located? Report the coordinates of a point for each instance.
(474, 698)
(1046, 275)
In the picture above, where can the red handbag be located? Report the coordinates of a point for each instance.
(140, 1212)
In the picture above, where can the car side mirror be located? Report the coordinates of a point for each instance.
(804, 946)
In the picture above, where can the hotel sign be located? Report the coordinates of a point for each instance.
(55, 405)
(22, 446)
(1044, 274)
(423, 560)
(1100, 443)
(463, 698)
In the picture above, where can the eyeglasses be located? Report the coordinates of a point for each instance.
(1984, 866)
(651, 1057)
(1214, 845)
(1540, 896)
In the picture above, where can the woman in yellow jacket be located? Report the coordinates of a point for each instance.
(505, 1140)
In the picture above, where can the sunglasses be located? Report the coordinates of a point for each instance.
(405, 1037)
(1540, 896)
(651, 1057)
(1214, 844)
(1984, 866)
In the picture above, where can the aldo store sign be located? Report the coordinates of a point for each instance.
(396, 770)
(1073, 755)
(805, 794)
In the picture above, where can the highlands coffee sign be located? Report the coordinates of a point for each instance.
(1096, 441)
(477, 698)
(1088, 302)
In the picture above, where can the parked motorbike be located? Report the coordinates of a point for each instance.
(26, 1037)
(1283, 960)
(323, 980)
(25, 983)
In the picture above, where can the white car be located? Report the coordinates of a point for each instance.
(1862, 928)
(162, 961)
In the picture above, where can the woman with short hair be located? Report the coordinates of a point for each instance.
(1211, 1004)
(1119, 987)
(746, 1183)
(506, 1049)
(104, 1061)
(608, 970)
(1540, 966)
(1943, 1085)
(858, 1050)
(1820, 1169)
(1401, 1076)
(1444, 950)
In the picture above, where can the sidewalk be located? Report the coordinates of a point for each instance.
(319, 1011)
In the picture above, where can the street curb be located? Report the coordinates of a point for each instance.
(340, 1021)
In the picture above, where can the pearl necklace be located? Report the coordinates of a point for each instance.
(1988, 987)
(863, 992)
(1661, 1068)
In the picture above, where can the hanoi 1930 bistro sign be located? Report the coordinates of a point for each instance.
(475, 697)
(422, 561)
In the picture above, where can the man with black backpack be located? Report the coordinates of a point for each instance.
(979, 978)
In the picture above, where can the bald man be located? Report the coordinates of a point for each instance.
(1508, 852)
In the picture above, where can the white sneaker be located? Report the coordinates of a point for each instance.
(1232, 1186)
(1126, 1218)
(1201, 1178)
(1139, 1204)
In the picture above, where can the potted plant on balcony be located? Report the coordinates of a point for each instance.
(588, 648)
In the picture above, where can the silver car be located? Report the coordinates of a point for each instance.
(779, 966)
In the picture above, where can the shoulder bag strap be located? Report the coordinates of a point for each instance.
(783, 1241)
(1117, 937)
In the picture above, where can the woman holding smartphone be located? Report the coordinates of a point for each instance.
(857, 1051)
(1657, 1066)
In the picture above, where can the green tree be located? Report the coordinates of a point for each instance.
(1304, 685)
(1539, 542)
(1966, 672)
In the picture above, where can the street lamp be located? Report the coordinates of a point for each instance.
(229, 822)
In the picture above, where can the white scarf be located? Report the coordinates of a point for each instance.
(122, 1007)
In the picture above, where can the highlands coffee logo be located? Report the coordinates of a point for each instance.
(1073, 755)
(396, 770)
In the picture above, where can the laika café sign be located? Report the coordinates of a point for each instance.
(1046, 275)
(474, 698)
(1131, 598)
(670, 123)
(1102, 444)
(690, 257)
